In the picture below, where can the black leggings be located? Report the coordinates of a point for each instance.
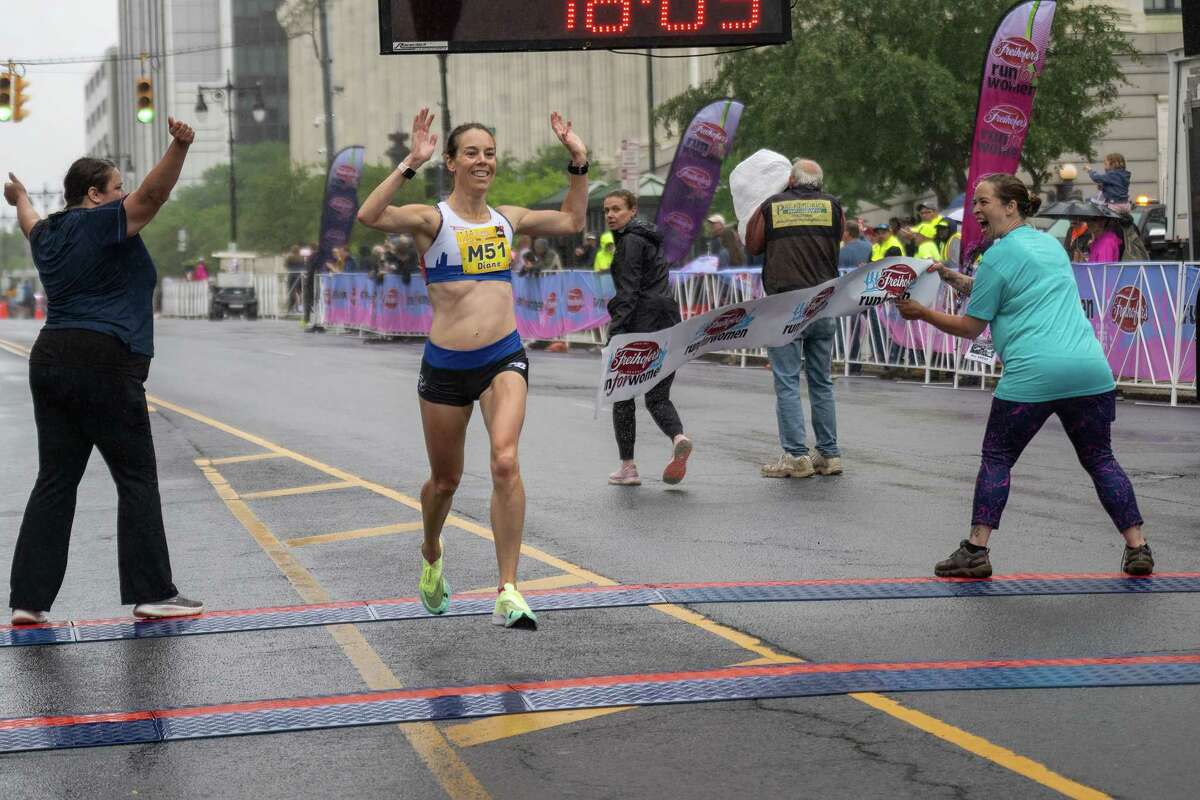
(658, 403)
(88, 392)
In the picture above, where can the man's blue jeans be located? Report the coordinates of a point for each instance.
(814, 351)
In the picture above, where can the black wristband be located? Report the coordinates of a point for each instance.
(408, 172)
(574, 170)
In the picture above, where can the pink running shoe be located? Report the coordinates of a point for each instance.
(675, 471)
(627, 475)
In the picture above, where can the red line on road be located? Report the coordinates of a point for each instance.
(583, 590)
(780, 670)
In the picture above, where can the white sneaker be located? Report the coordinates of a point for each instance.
(177, 606)
(827, 465)
(627, 475)
(789, 466)
(22, 617)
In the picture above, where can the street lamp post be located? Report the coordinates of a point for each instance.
(225, 94)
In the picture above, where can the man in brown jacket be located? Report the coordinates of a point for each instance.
(800, 230)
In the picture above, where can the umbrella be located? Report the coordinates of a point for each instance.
(1077, 209)
(955, 215)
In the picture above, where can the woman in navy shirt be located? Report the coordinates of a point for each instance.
(87, 372)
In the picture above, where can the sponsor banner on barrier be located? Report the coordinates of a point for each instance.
(585, 297)
(536, 300)
(1187, 328)
(1134, 310)
(547, 306)
(635, 362)
(1143, 314)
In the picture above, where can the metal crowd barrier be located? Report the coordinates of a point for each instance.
(186, 299)
(193, 299)
(1144, 314)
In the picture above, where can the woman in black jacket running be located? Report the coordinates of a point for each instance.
(643, 304)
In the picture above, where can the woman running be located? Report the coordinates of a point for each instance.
(473, 351)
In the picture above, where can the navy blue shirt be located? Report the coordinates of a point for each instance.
(96, 277)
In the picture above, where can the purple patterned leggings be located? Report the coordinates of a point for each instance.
(1088, 423)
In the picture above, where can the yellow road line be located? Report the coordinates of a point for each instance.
(448, 769)
(1027, 768)
(361, 533)
(14, 348)
(736, 637)
(982, 747)
(296, 490)
(553, 582)
(216, 462)
(492, 729)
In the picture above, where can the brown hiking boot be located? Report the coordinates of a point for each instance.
(1137, 560)
(963, 563)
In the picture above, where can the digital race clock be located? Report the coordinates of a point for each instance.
(481, 26)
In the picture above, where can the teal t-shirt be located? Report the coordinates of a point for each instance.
(1025, 288)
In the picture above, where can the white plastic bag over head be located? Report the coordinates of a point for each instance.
(754, 180)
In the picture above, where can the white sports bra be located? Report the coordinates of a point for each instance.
(469, 251)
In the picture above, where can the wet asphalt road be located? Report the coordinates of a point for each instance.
(337, 403)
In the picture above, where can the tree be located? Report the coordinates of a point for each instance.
(883, 93)
(14, 250)
(522, 183)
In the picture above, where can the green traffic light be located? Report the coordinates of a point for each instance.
(6, 113)
(145, 115)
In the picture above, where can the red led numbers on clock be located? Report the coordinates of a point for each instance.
(745, 24)
(664, 18)
(589, 15)
(616, 16)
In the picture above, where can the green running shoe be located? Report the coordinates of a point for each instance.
(435, 591)
(512, 611)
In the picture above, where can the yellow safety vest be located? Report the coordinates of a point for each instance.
(877, 250)
(603, 260)
(929, 250)
(946, 245)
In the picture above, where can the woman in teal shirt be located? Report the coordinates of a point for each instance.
(1053, 364)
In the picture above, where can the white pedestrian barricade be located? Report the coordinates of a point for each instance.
(186, 299)
(1143, 313)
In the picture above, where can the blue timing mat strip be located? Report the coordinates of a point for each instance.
(602, 597)
(733, 683)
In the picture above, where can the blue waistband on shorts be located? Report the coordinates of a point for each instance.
(441, 358)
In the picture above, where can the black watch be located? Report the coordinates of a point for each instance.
(574, 170)
(409, 173)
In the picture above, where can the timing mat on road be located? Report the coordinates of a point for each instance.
(358, 611)
(450, 703)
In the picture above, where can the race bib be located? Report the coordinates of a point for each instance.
(483, 250)
(801, 213)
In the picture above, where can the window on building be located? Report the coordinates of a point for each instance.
(1163, 6)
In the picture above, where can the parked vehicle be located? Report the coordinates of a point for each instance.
(233, 295)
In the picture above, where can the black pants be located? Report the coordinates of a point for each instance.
(658, 403)
(88, 390)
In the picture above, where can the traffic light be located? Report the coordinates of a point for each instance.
(6, 96)
(144, 99)
(19, 99)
